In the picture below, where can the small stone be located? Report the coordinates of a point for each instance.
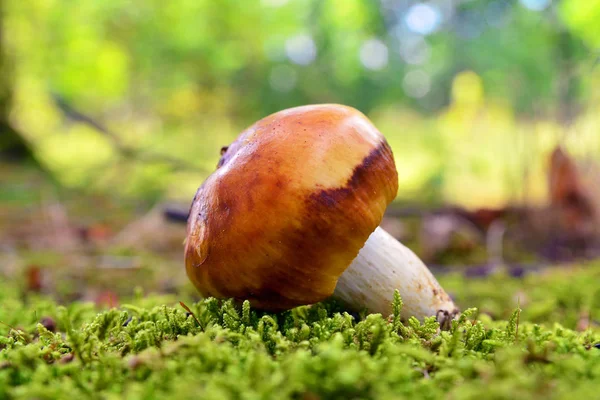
(517, 271)
(135, 362)
(67, 358)
(49, 324)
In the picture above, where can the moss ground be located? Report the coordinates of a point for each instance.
(529, 338)
(151, 347)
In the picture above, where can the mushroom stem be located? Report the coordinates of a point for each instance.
(384, 265)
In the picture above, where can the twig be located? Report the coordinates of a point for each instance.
(127, 152)
(518, 319)
(186, 308)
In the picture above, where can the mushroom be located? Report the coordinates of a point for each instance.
(291, 217)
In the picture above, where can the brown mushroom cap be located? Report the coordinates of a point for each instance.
(291, 204)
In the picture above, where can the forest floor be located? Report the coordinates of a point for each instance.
(95, 304)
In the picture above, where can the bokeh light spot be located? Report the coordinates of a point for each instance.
(535, 5)
(423, 18)
(414, 50)
(374, 54)
(416, 83)
(301, 49)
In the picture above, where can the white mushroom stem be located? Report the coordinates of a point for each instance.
(384, 265)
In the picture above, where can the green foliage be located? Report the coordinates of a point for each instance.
(223, 350)
(183, 78)
(580, 16)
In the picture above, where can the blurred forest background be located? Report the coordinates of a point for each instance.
(137, 98)
(126, 103)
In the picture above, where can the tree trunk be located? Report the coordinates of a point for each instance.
(12, 145)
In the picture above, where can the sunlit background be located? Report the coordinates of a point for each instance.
(135, 98)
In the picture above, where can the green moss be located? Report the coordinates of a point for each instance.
(145, 350)
(569, 295)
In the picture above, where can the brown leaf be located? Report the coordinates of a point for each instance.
(568, 194)
(33, 275)
(107, 298)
